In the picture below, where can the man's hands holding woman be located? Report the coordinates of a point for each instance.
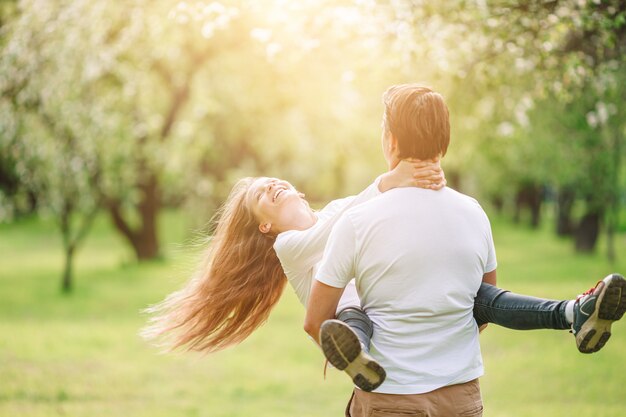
(414, 173)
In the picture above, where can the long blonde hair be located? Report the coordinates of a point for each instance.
(239, 281)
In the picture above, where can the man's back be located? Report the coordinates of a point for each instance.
(419, 257)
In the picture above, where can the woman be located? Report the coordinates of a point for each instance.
(267, 235)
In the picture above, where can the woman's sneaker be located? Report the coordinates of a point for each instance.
(596, 310)
(343, 350)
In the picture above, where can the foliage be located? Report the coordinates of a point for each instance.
(172, 101)
(545, 80)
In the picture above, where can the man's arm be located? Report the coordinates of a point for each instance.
(335, 272)
(413, 173)
(490, 277)
(323, 303)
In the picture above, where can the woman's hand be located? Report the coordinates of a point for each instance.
(414, 173)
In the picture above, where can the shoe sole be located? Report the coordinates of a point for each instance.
(343, 350)
(611, 307)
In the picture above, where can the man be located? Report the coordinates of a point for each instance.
(419, 257)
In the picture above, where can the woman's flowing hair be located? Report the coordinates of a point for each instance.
(239, 281)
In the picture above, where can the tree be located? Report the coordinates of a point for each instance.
(98, 73)
(58, 168)
(512, 59)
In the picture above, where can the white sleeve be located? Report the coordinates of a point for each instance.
(492, 262)
(337, 266)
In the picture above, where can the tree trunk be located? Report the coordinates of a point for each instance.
(67, 283)
(147, 243)
(529, 195)
(535, 208)
(144, 239)
(497, 201)
(614, 205)
(453, 178)
(610, 242)
(565, 203)
(588, 231)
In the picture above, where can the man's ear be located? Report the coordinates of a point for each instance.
(393, 143)
(265, 227)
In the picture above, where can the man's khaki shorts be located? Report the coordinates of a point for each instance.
(462, 400)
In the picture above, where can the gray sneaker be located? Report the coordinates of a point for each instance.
(343, 350)
(596, 310)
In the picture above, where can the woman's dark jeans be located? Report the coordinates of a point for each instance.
(491, 305)
(519, 312)
(359, 322)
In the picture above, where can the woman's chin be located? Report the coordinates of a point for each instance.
(286, 197)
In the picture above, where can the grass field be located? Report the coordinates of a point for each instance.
(79, 355)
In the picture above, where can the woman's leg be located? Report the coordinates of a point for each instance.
(345, 342)
(520, 312)
(589, 316)
(344, 345)
(349, 311)
(360, 323)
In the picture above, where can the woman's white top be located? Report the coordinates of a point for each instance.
(300, 251)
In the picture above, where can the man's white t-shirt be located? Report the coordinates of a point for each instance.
(300, 251)
(418, 257)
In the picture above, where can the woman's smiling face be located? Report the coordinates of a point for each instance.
(277, 205)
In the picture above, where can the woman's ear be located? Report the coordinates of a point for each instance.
(265, 227)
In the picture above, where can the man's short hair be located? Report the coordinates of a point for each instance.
(419, 119)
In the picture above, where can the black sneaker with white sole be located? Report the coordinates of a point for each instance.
(596, 310)
(343, 350)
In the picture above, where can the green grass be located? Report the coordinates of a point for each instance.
(79, 355)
